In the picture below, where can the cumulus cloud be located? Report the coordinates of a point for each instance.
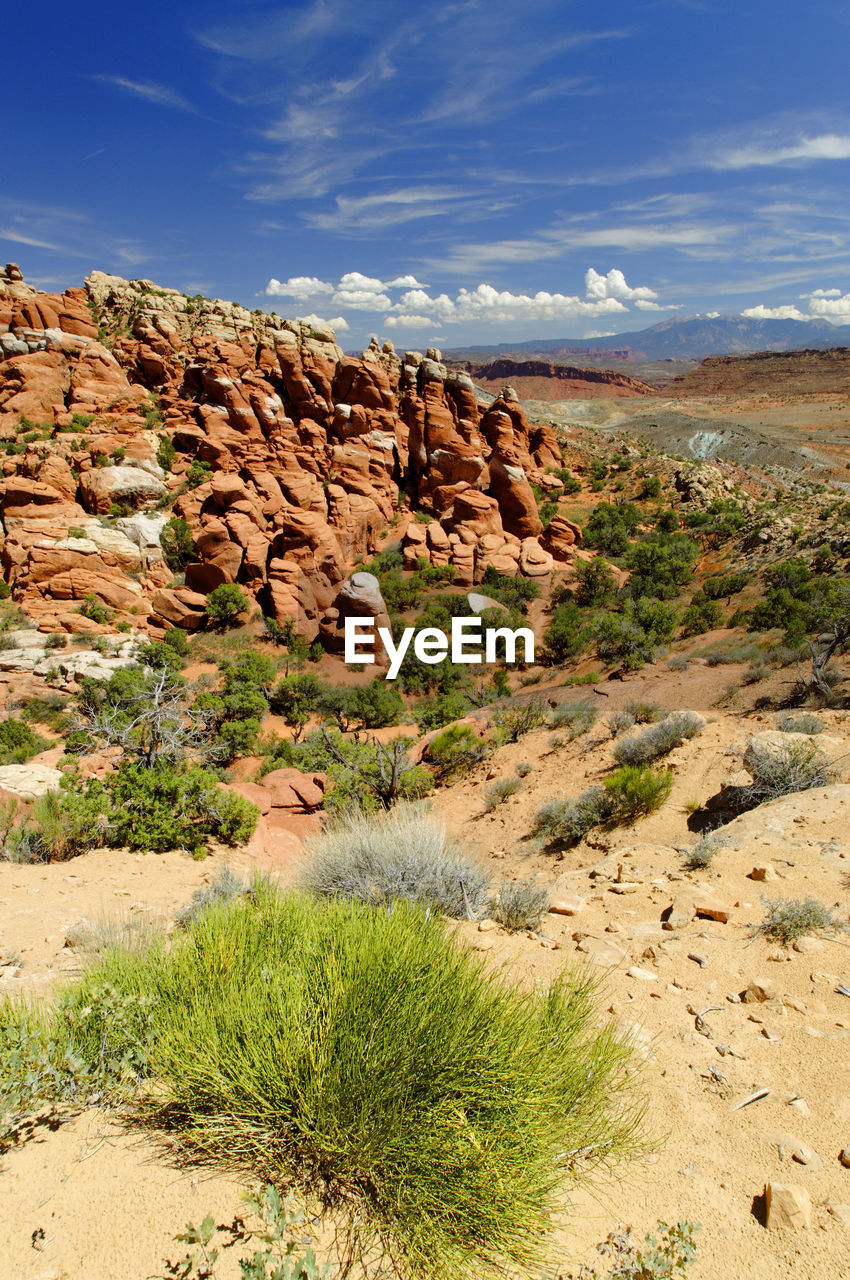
(298, 287)
(613, 285)
(416, 307)
(761, 312)
(411, 322)
(824, 304)
(500, 305)
(337, 322)
(354, 290)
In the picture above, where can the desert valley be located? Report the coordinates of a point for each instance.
(194, 499)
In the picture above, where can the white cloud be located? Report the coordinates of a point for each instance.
(495, 305)
(830, 307)
(298, 287)
(762, 312)
(411, 322)
(338, 322)
(823, 146)
(824, 304)
(643, 304)
(614, 286)
(159, 94)
(410, 282)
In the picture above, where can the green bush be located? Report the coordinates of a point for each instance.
(178, 545)
(404, 855)
(18, 743)
(566, 822)
(225, 604)
(456, 750)
(634, 635)
(364, 1056)
(636, 790)
(701, 615)
(95, 610)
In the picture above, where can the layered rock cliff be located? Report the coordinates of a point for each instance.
(291, 457)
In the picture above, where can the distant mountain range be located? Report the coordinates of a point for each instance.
(678, 339)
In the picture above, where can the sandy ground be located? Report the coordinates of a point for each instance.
(109, 1203)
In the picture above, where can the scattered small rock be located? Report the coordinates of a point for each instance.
(566, 904)
(788, 1206)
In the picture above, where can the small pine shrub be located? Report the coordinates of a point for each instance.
(18, 743)
(225, 604)
(402, 855)
(95, 610)
(788, 919)
(576, 717)
(501, 791)
(520, 904)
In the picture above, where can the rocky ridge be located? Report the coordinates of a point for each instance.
(292, 458)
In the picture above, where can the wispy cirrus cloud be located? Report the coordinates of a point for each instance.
(160, 95)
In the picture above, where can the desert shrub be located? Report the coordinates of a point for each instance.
(178, 545)
(47, 710)
(567, 633)
(364, 1056)
(501, 791)
(576, 717)
(658, 739)
(701, 855)
(523, 769)
(297, 699)
(801, 722)
(18, 743)
(796, 767)
(520, 904)
(610, 528)
(701, 615)
(199, 472)
(661, 564)
(163, 808)
(726, 655)
(789, 919)
(643, 711)
(596, 583)
(435, 712)
(723, 585)
(664, 1257)
(99, 934)
(166, 454)
(366, 706)
(95, 610)
(634, 635)
(225, 604)
(565, 822)
(517, 720)
(403, 855)
(57, 640)
(679, 662)
(755, 674)
(176, 639)
(223, 888)
(635, 790)
(366, 774)
(619, 721)
(60, 825)
(456, 750)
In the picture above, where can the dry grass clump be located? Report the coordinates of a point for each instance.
(800, 722)
(800, 766)
(501, 791)
(576, 717)
(402, 855)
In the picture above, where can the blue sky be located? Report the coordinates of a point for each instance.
(467, 171)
